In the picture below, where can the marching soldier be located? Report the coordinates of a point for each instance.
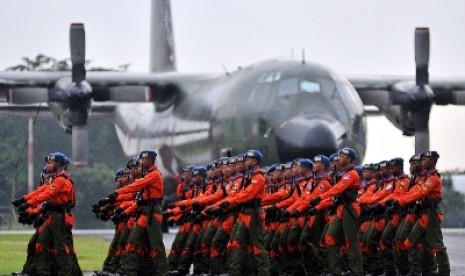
(249, 232)
(149, 223)
(344, 226)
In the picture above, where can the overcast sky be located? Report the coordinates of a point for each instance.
(351, 37)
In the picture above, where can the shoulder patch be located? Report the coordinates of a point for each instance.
(254, 181)
(51, 186)
(346, 177)
(388, 187)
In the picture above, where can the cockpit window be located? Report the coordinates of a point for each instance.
(269, 77)
(288, 87)
(311, 87)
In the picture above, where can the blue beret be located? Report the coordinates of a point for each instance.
(58, 157)
(188, 168)
(254, 154)
(240, 158)
(270, 169)
(350, 152)
(368, 167)
(67, 161)
(132, 162)
(304, 162)
(280, 167)
(383, 164)
(222, 161)
(289, 165)
(396, 161)
(321, 158)
(414, 158)
(375, 166)
(359, 169)
(148, 153)
(430, 153)
(232, 160)
(119, 173)
(332, 157)
(199, 170)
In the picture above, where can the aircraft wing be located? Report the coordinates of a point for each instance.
(394, 90)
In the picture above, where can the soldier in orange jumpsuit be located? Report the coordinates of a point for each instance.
(52, 232)
(250, 220)
(149, 223)
(426, 233)
(343, 227)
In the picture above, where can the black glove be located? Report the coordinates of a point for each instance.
(199, 218)
(216, 211)
(103, 217)
(396, 204)
(368, 209)
(17, 202)
(103, 201)
(315, 201)
(166, 215)
(272, 209)
(118, 210)
(112, 197)
(96, 208)
(391, 210)
(377, 208)
(312, 211)
(182, 206)
(39, 220)
(295, 214)
(389, 202)
(224, 204)
(195, 205)
(171, 205)
(23, 207)
(285, 216)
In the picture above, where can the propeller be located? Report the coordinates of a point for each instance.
(422, 96)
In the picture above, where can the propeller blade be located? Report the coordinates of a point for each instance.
(77, 42)
(421, 118)
(80, 145)
(27, 95)
(422, 55)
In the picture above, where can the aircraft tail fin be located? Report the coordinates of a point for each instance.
(162, 56)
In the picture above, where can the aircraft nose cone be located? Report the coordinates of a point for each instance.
(306, 137)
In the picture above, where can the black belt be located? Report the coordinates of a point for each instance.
(252, 204)
(150, 202)
(55, 208)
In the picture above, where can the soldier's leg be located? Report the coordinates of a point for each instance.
(373, 264)
(386, 246)
(132, 257)
(434, 241)
(59, 237)
(29, 265)
(157, 248)
(333, 240)
(178, 245)
(413, 245)
(401, 254)
(351, 227)
(218, 246)
(257, 244)
(283, 252)
(119, 260)
(187, 254)
(295, 257)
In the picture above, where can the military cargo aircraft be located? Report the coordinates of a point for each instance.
(284, 107)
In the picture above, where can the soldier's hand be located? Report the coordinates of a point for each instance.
(272, 209)
(96, 208)
(216, 211)
(377, 208)
(285, 216)
(224, 204)
(312, 211)
(182, 206)
(367, 209)
(295, 214)
(389, 202)
(17, 202)
(391, 210)
(195, 205)
(166, 215)
(112, 197)
(171, 205)
(103, 201)
(199, 218)
(315, 201)
(118, 210)
(23, 207)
